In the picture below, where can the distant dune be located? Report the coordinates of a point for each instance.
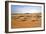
(26, 20)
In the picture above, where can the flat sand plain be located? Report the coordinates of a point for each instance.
(26, 20)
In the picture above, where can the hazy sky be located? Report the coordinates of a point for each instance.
(25, 9)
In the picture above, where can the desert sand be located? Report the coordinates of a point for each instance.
(26, 20)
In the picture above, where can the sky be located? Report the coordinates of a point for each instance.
(25, 9)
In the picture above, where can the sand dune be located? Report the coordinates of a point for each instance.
(26, 20)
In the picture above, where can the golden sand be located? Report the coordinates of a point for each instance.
(26, 20)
